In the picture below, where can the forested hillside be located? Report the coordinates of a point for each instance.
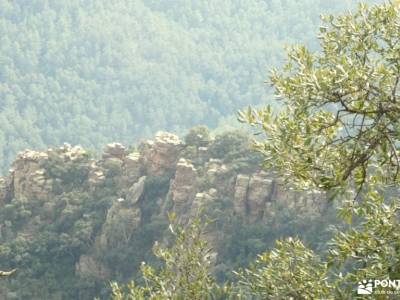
(88, 72)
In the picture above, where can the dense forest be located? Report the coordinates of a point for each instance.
(91, 72)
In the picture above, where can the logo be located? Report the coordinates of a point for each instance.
(365, 287)
(383, 286)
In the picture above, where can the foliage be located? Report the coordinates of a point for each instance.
(290, 271)
(71, 71)
(68, 225)
(339, 132)
(342, 117)
(198, 136)
(186, 273)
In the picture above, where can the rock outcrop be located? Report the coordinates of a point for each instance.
(3, 189)
(120, 224)
(260, 191)
(252, 194)
(161, 155)
(96, 175)
(132, 168)
(240, 196)
(135, 191)
(28, 177)
(114, 150)
(182, 187)
(135, 187)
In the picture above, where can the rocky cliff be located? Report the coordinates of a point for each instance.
(119, 201)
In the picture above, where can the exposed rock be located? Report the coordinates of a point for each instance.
(213, 192)
(29, 178)
(40, 186)
(131, 169)
(88, 266)
(136, 191)
(182, 188)
(161, 155)
(68, 153)
(121, 222)
(254, 196)
(215, 167)
(3, 189)
(115, 150)
(202, 153)
(240, 197)
(75, 153)
(96, 175)
(251, 194)
(201, 200)
(259, 192)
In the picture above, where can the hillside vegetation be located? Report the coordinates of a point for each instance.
(91, 72)
(71, 224)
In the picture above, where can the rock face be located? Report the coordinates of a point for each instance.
(115, 150)
(96, 175)
(215, 167)
(201, 200)
(132, 168)
(28, 177)
(195, 182)
(3, 189)
(135, 191)
(259, 192)
(121, 222)
(240, 197)
(182, 188)
(161, 155)
(123, 218)
(178, 179)
(256, 196)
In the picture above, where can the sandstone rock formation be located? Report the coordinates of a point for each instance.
(96, 175)
(240, 196)
(132, 168)
(28, 177)
(123, 218)
(3, 189)
(215, 167)
(115, 150)
(259, 192)
(135, 191)
(187, 181)
(201, 200)
(182, 188)
(161, 155)
(257, 196)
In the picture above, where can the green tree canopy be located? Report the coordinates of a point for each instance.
(92, 72)
(339, 132)
(341, 116)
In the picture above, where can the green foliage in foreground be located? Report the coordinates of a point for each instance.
(187, 270)
(339, 132)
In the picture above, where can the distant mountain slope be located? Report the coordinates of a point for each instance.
(87, 72)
